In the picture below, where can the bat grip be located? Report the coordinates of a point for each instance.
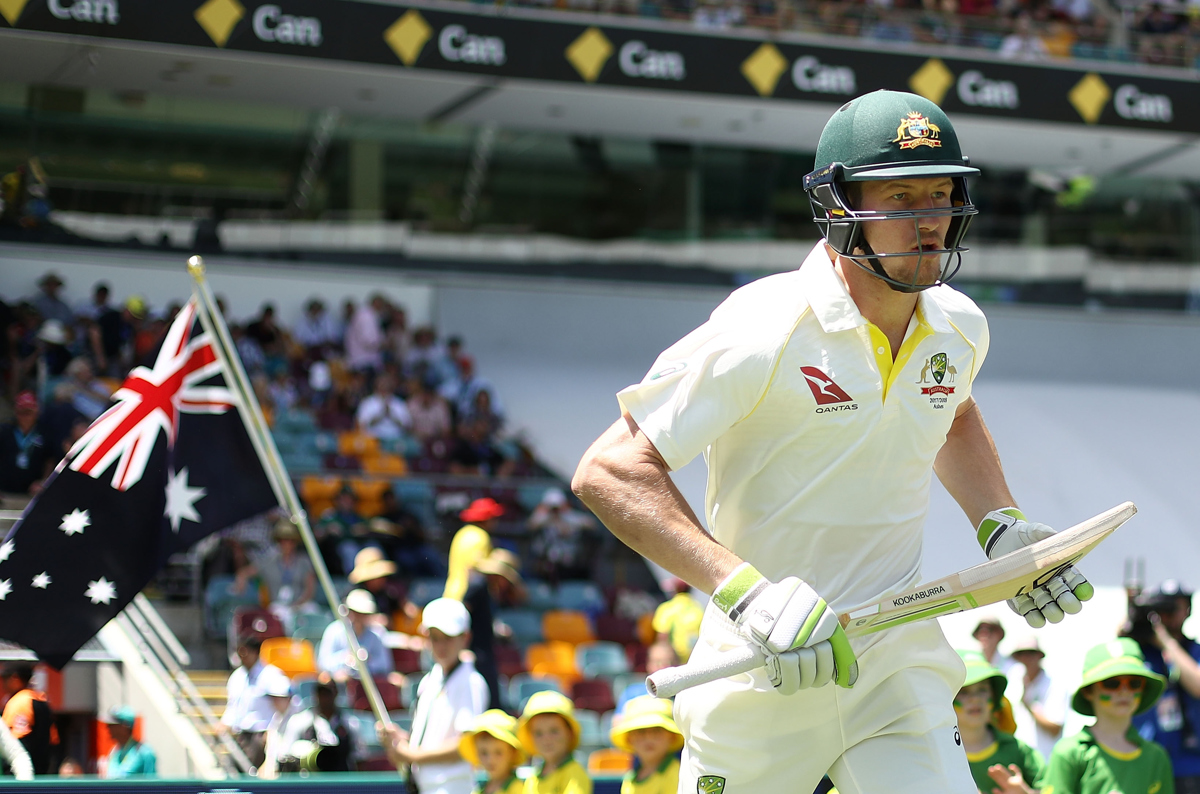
(670, 681)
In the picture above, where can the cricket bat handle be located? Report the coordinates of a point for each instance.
(670, 681)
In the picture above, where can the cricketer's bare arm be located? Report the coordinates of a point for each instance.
(625, 482)
(969, 466)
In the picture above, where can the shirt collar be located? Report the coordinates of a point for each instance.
(835, 310)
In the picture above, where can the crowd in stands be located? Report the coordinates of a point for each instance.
(1161, 33)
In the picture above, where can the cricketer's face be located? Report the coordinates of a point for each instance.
(973, 705)
(497, 758)
(909, 237)
(551, 736)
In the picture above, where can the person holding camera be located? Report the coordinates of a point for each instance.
(1156, 624)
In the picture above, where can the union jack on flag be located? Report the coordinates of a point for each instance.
(169, 463)
(150, 402)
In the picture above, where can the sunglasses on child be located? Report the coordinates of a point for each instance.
(1133, 683)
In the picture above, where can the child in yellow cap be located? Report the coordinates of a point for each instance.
(548, 730)
(491, 744)
(647, 729)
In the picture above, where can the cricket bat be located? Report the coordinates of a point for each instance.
(987, 583)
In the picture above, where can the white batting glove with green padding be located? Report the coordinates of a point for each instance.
(800, 635)
(1006, 530)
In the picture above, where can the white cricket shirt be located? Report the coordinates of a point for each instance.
(820, 450)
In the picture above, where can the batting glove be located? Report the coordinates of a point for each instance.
(800, 635)
(1003, 532)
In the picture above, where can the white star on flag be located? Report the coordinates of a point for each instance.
(5, 588)
(181, 499)
(6, 548)
(74, 522)
(100, 591)
(41, 581)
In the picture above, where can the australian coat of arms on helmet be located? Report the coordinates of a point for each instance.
(916, 130)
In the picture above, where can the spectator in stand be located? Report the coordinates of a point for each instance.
(461, 394)
(317, 332)
(491, 744)
(27, 715)
(364, 335)
(395, 333)
(25, 460)
(53, 352)
(425, 354)
(677, 621)
(647, 730)
(49, 305)
(471, 543)
(61, 422)
(377, 575)
(496, 582)
(382, 414)
(400, 534)
(483, 412)
(331, 745)
(271, 339)
(888, 26)
(333, 655)
(560, 535)
(280, 693)
(1041, 708)
(89, 396)
(128, 757)
(449, 700)
(474, 452)
(1170, 653)
(288, 575)
(249, 350)
(97, 306)
(430, 414)
(249, 707)
(989, 634)
(1023, 43)
(993, 754)
(17, 758)
(68, 768)
(339, 532)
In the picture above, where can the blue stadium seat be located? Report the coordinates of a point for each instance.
(590, 735)
(362, 726)
(581, 595)
(540, 595)
(601, 660)
(524, 685)
(311, 626)
(526, 624)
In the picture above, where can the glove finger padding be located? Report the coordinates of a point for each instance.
(826, 668)
(1080, 586)
(785, 672)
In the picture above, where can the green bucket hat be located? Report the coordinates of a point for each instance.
(980, 669)
(1119, 657)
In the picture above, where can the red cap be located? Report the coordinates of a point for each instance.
(26, 401)
(483, 509)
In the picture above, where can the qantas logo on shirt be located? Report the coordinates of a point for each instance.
(829, 396)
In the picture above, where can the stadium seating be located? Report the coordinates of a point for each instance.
(636, 654)
(601, 660)
(540, 596)
(526, 625)
(311, 625)
(220, 604)
(422, 591)
(553, 658)
(614, 628)
(609, 761)
(582, 596)
(645, 629)
(354, 443)
(523, 685)
(318, 491)
(385, 464)
(369, 494)
(294, 657)
(567, 625)
(593, 694)
(356, 695)
(406, 660)
(591, 735)
(251, 621)
(509, 661)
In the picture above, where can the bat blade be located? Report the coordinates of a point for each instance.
(990, 582)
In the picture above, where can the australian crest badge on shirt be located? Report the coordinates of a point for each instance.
(939, 368)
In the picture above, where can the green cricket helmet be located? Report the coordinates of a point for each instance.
(888, 135)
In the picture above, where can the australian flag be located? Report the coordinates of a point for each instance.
(170, 462)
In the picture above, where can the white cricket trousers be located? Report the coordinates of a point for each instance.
(895, 732)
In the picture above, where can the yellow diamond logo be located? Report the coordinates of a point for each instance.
(218, 18)
(932, 80)
(589, 53)
(763, 68)
(1089, 96)
(407, 36)
(11, 10)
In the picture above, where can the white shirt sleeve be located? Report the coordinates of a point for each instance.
(474, 703)
(700, 387)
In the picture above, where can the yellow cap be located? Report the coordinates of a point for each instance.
(493, 722)
(641, 712)
(547, 702)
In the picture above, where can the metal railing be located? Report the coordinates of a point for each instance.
(163, 654)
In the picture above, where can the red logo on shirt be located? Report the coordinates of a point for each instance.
(824, 390)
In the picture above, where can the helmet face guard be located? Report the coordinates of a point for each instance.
(842, 226)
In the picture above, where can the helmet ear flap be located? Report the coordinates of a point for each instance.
(828, 205)
(959, 224)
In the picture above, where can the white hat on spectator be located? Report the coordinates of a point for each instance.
(447, 616)
(362, 602)
(279, 687)
(1027, 643)
(53, 332)
(554, 497)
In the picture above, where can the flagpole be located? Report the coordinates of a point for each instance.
(281, 484)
